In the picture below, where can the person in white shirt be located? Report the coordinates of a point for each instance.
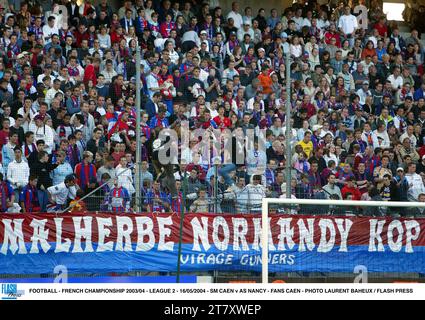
(235, 15)
(298, 19)
(47, 72)
(396, 79)
(256, 161)
(348, 25)
(411, 136)
(249, 199)
(50, 94)
(43, 132)
(246, 29)
(416, 184)
(369, 137)
(381, 132)
(307, 19)
(125, 176)
(152, 81)
(59, 194)
(49, 29)
(88, 118)
(18, 171)
(109, 72)
(367, 63)
(374, 38)
(174, 56)
(229, 73)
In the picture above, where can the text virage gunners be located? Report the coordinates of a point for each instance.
(107, 242)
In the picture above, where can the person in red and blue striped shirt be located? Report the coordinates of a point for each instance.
(28, 197)
(119, 198)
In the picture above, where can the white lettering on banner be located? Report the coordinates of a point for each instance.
(273, 258)
(286, 233)
(325, 225)
(61, 246)
(82, 232)
(217, 223)
(240, 234)
(165, 232)
(257, 243)
(13, 236)
(124, 231)
(142, 232)
(198, 258)
(411, 225)
(104, 232)
(344, 232)
(306, 235)
(375, 235)
(398, 244)
(200, 232)
(40, 235)
(211, 235)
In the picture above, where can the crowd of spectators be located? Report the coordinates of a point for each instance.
(68, 114)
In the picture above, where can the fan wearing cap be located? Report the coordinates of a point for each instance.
(246, 29)
(262, 58)
(402, 185)
(204, 40)
(364, 92)
(231, 44)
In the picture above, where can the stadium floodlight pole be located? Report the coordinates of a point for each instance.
(288, 119)
(138, 121)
